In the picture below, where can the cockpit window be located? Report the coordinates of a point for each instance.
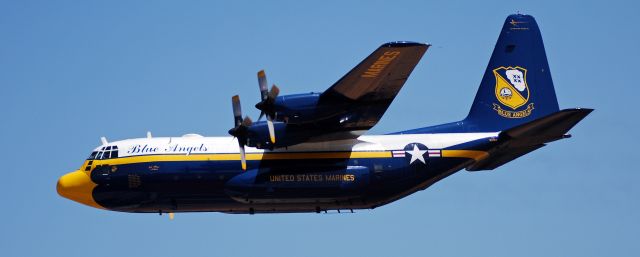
(92, 155)
(106, 152)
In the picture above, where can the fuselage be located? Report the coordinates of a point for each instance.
(194, 173)
(320, 160)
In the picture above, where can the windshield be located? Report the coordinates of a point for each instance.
(107, 152)
(92, 155)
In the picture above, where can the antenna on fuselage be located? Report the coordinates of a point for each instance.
(149, 134)
(104, 140)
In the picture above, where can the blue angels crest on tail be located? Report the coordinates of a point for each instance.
(512, 91)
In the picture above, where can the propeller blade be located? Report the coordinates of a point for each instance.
(274, 92)
(272, 133)
(247, 121)
(237, 110)
(262, 82)
(239, 131)
(261, 115)
(243, 157)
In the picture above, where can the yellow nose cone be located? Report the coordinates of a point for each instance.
(77, 186)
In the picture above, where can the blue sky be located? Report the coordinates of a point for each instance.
(72, 71)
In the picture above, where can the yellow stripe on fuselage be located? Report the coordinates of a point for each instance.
(471, 154)
(250, 157)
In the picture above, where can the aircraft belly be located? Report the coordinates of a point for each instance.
(272, 186)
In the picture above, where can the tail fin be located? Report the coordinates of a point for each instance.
(517, 86)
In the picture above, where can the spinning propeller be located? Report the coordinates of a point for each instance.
(240, 129)
(266, 105)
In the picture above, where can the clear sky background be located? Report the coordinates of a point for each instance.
(72, 71)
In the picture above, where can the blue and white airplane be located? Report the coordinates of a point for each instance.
(311, 154)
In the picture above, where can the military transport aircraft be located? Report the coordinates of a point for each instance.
(310, 154)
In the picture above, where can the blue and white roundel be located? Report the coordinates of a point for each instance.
(416, 153)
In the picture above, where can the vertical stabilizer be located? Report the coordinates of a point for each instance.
(517, 86)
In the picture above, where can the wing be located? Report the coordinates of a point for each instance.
(346, 110)
(363, 95)
(380, 76)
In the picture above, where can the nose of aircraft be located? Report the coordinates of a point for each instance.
(77, 186)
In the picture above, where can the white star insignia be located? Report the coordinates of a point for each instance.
(416, 154)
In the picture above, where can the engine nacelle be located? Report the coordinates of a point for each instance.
(302, 108)
(286, 135)
(258, 134)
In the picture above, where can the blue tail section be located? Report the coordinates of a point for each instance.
(516, 98)
(517, 86)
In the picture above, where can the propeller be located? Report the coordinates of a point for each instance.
(266, 105)
(240, 129)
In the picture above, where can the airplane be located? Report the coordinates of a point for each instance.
(311, 153)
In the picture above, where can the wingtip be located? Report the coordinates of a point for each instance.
(586, 110)
(580, 109)
(404, 44)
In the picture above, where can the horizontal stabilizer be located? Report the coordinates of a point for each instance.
(498, 158)
(523, 139)
(546, 129)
